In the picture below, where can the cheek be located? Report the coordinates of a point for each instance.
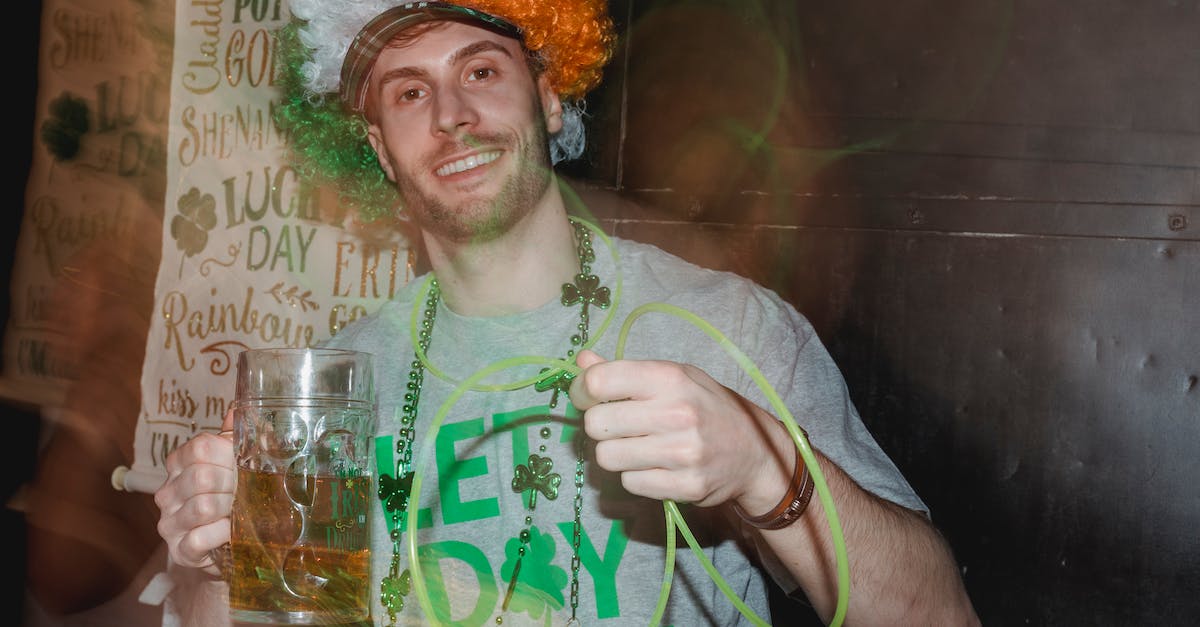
(400, 149)
(404, 155)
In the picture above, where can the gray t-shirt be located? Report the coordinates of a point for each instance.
(471, 519)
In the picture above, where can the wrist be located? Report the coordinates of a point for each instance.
(793, 503)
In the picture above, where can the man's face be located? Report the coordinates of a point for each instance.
(461, 126)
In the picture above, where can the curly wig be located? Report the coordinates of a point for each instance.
(573, 39)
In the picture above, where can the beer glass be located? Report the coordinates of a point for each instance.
(304, 425)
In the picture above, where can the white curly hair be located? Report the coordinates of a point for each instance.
(330, 26)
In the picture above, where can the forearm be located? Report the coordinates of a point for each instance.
(901, 570)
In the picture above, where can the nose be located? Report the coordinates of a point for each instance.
(454, 112)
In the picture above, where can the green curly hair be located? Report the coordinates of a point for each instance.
(329, 147)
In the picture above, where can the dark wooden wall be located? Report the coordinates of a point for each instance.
(989, 211)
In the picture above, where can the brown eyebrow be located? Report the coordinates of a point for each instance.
(477, 48)
(460, 54)
(401, 73)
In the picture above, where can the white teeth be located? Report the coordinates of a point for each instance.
(474, 161)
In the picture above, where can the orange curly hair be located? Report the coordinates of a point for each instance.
(575, 37)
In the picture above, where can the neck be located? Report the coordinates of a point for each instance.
(520, 270)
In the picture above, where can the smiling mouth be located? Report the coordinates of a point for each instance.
(468, 163)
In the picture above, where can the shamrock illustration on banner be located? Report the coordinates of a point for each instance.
(68, 122)
(197, 216)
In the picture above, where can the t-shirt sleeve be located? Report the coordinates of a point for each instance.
(794, 361)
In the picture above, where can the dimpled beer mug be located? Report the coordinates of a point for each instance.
(304, 424)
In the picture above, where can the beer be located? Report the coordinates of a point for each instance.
(301, 548)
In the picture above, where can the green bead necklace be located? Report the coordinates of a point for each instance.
(533, 477)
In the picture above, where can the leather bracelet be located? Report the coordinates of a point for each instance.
(792, 505)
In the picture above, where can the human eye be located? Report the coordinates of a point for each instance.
(410, 94)
(481, 74)
(406, 93)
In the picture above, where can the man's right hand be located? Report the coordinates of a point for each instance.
(195, 502)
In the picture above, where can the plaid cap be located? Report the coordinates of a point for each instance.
(374, 37)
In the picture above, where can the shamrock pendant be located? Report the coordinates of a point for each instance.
(394, 493)
(586, 289)
(536, 477)
(558, 380)
(392, 590)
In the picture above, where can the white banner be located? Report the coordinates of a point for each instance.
(251, 258)
(93, 191)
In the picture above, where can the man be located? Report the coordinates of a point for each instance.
(533, 515)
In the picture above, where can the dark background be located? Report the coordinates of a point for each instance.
(988, 209)
(20, 48)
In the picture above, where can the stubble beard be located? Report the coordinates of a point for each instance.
(484, 219)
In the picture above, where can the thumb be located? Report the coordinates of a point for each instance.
(581, 398)
(227, 421)
(587, 358)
